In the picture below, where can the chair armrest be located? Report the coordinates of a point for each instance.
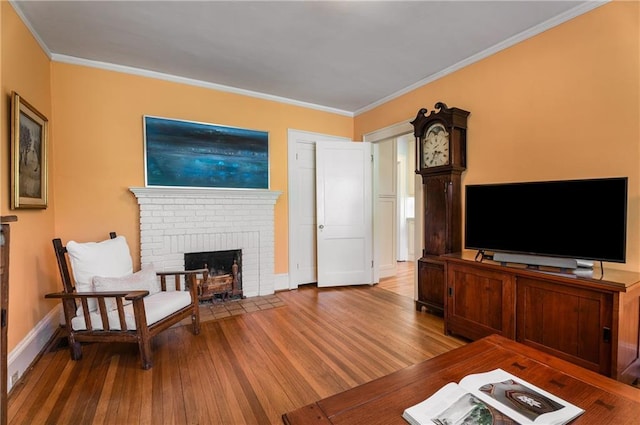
(176, 276)
(181, 272)
(128, 295)
(69, 307)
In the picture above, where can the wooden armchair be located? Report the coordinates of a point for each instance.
(110, 303)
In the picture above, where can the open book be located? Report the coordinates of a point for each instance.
(495, 397)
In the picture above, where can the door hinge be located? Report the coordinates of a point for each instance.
(606, 334)
(371, 263)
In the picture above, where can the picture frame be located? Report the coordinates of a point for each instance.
(195, 154)
(29, 139)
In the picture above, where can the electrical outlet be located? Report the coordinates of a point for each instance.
(14, 378)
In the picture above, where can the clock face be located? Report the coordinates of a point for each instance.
(435, 146)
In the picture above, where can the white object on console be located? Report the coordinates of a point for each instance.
(536, 260)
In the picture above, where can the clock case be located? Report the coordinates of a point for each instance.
(442, 196)
(454, 121)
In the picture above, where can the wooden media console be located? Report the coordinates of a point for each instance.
(592, 321)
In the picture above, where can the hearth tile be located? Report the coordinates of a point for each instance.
(222, 314)
(251, 307)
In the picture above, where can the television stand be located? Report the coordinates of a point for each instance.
(592, 320)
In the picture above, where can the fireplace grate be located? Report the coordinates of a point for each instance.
(224, 276)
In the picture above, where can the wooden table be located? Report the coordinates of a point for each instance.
(383, 400)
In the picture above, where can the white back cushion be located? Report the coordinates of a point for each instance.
(109, 258)
(144, 280)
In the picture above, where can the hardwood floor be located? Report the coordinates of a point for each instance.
(245, 369)
(402, 282)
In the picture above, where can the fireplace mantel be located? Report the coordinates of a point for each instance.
(176, 220)
(149, 192)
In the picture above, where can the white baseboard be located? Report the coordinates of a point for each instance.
(23, 355)
(281, 282)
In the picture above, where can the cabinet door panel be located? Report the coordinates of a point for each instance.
(478, 298)
(480, 303)
(431, 285)
(565, 321)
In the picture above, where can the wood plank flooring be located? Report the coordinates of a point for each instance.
(402, 282)
(245, 369)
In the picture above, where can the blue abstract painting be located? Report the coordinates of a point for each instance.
(192, 154)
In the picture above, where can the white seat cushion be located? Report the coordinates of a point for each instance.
(157, 307)
(109, 258)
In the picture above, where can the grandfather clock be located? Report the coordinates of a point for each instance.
(441, 158)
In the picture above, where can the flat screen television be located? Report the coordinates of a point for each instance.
(581, 219)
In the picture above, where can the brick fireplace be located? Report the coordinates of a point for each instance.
(175, 221)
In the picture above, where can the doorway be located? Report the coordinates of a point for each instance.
(406, 224)
(394, 202)
(302, 207)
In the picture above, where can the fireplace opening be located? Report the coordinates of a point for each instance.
(224, 277)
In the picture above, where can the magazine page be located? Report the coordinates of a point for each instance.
(519, 399)
(453, 405)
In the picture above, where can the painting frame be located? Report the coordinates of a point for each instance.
(193, 154)
(29, 165)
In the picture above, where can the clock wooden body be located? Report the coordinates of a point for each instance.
(441, 158)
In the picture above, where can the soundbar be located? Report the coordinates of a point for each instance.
(537, 260)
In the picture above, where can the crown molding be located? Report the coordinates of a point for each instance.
(33, 32)
(192, 82)
(167, 77)
(531, 32)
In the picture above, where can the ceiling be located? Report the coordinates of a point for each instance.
(341, 56)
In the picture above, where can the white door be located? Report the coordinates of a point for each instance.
(302, 205)
(303, 215)
(344, 213)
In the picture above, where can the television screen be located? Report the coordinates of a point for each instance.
(581, 219)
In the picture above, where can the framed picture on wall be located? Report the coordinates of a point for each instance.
(194, 154)
(29, 130)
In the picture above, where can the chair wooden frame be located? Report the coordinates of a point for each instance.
(143, 333)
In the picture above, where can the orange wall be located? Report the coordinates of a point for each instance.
(563, 104)
(26, 70)
(99, 121)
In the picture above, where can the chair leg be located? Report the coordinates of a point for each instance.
(144, 344)
(195, 320)
(74, 347)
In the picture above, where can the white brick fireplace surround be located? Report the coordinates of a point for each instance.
(178, 220)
